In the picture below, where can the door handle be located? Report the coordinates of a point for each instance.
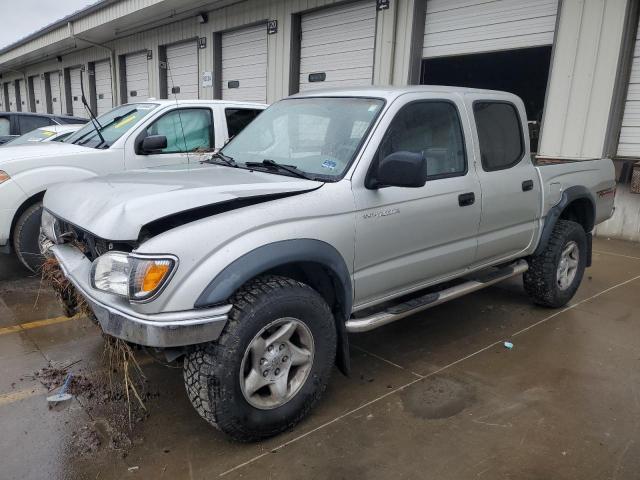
(527, 185)
(466, 199)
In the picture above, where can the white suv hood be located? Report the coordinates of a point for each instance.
(14, 160)
(115, 207)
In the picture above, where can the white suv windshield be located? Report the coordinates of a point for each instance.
(115, 123)
(318, 136)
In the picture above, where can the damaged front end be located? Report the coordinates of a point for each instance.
(83, 270)
(54, 231)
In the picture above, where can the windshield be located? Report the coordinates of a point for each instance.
(317, 135)
(34, 136)
(114, 124)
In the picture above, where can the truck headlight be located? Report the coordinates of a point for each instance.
(134, 276)
(110, 273)
(49, 226)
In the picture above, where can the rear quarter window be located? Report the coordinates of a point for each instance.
(499, 134)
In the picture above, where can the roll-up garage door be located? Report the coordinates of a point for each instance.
(38, 94)
(23, 96)
(137, 77)
(457, 27)
(104, 97)
(629, 143)
(75, 77)
(55, 89)
(244, 64)
(336, 46)
(182, 70)
(13, 103)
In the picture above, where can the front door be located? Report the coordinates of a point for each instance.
(407, 238)
(510, 183)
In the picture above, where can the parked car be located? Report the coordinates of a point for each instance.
(14, 124)
(333, 212)
(132, 136)
(52, 133)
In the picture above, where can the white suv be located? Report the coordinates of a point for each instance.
(132, 136)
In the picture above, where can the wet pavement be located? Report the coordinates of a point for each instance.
(436, 395)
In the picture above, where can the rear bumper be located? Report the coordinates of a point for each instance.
(118, 319)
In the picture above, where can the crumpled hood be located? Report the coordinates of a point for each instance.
(12, 159)
(115, 207)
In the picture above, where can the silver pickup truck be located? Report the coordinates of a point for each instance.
(333, 212)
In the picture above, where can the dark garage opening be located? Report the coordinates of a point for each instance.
(523, 72)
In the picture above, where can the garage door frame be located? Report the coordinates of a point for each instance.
(623, 77)
(296, 42)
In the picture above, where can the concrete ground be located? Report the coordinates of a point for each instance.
(436, 395)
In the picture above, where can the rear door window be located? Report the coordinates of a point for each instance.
(31, 122)
(238, 118)
(499, 134)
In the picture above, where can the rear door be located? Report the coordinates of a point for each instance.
(407, 238)
(511, 193)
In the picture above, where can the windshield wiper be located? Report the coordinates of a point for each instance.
(267, 162)
(221, 156)
(94, 121)
(115, 120)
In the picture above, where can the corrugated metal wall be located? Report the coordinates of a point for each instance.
(392, 62)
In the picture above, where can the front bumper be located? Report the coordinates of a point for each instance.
(118, 319)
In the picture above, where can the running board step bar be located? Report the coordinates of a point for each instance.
(401, 310)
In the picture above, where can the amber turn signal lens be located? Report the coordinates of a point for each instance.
(4, 176)
(153, 276)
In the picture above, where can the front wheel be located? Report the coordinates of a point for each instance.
(555, 274)
(271, 363)
(26, 235)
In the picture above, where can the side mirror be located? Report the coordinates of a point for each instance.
(153, 144)
(401, 169)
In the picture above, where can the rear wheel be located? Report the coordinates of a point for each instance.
(555, 274)
(26, 235)
(271, 363)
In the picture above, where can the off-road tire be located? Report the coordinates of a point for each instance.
(212, 370)
(26, 234)
(540, 281)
